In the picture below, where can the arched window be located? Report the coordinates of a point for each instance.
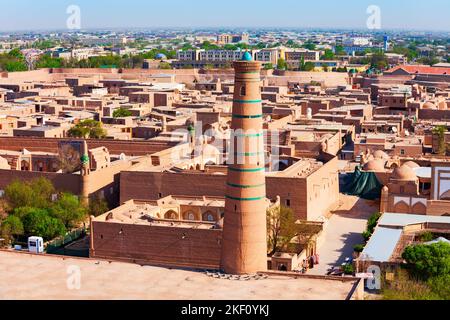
(243, 91)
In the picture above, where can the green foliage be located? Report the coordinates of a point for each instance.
(428, 261)
(328, 55)
(206, 45)
(281, 228)
(88, 129)
(46, 61)
(268, 66)
(35, 193)
(11, 226)
(122, 112)
(359, 248)
(348, 269)
(68, 210)
(379, 61)
(309, 46)
(97, 206)
(165, 65)
(373, 221)
(38, 222)
(32, 213)
(426, 236)
(440, 131)
(339, 50)
(282, 64)
(441, 286)
(407, 288)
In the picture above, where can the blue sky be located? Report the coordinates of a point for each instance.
(395, 14)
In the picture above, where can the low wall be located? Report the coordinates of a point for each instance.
(145, 244)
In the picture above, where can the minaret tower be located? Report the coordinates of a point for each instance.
(244, 242)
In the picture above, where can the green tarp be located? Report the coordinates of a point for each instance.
(362, 184)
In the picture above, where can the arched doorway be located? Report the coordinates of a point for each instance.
(208, 216)
(171, 215)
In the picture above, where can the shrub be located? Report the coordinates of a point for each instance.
(428, 260)
(38, 222)
(359, 248)
(348, 269)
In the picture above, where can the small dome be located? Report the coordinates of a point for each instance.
(247, 56)
(374, 165)
(404, 173)
(380, 154)
(429, 105)
(160, 56)
(411, 164)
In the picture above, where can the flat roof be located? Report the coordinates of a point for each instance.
(45, 277)
(387, 234)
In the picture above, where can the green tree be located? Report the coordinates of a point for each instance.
(309, 46)
(46, 61)
(122, 112)
(379, 61)
(69, 210)
(268, 66)
(428, 260)
(165, 65)
(38, 222)
(35, 193)
(439, 132)
(97, 206)
(309, 66)
(10, 227)
(328, 55)
(282, 64)
(281, 228)
(88, 129)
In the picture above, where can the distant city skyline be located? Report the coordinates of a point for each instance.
(430, 15)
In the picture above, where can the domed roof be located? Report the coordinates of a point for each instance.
(411, 164)
(247, 56)
(374, 165)
(160, 56)
(429, 105)
(380, 154)
(404, 173)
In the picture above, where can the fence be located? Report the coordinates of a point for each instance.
(58, 245)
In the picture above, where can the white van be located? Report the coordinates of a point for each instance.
(35, 244)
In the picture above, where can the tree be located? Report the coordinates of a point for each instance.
(282, 64)
(427, 261)
(97, 206)
(10, 227)
(309, 66)
(46, 61)
(379, 61)
(165, 65)
(69, 210)
(87, 129)
(268, 66)
(281, 228)
(309, 46)
(439, 132)
(328, 55)
(122, 112)
(35, 193)
(38, 222)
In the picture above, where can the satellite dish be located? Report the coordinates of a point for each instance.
(406, 133)
(122, 156)
(394, 129)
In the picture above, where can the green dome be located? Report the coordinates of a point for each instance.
(247, 56)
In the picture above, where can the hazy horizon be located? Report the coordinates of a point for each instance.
(399, 15)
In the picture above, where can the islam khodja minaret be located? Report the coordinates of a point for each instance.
(244, 246)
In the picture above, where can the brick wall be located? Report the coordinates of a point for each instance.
(182, 247)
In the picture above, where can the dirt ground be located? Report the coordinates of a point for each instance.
(27, 276)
